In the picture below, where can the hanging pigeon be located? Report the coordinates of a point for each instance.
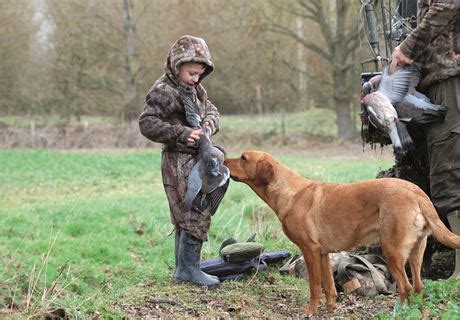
(380, 104)
(415, 107)
(209, 178)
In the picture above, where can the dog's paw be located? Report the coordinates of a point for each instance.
(310, 310)
(330, 306)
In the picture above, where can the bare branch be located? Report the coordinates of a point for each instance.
(294, 12)
(312, 76)
(282, 29)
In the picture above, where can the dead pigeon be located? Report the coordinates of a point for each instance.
(380, 105)
(415, 107)
(209, 178)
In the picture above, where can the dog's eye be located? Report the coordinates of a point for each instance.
(243, 157)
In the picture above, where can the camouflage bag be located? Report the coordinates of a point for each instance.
(364, 275)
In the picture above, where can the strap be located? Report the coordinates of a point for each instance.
(379, 263)
(377, 277)
(362, 264)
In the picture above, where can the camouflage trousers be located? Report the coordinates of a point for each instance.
(443, 145)
(175, 169)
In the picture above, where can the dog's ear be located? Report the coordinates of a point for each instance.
(264, 172)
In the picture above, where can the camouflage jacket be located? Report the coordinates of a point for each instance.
(163, 119)
(433, 44)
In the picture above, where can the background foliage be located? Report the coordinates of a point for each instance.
(92, 57)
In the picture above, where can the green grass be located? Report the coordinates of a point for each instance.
(314, 121)
(88, 231)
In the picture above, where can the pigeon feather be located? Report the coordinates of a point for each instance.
(191, 112)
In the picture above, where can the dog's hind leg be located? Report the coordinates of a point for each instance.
(396, 260)
(327, 280)
(415, 261)
(312, 258)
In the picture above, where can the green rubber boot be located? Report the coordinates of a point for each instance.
(188, 262)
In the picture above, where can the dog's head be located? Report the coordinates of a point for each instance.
(255, 168)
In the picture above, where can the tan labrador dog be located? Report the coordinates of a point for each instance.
(328, 217)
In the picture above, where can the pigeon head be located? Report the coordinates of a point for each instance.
(213, 158)
(367, 88)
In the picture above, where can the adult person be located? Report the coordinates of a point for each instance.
(435, 46)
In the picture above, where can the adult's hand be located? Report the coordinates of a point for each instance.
(398, 59)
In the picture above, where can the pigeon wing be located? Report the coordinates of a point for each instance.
(414, 78)
(217, 195)
(191, 112)
(375, 118)
(194, 185)
(419, 111)
(420, 96)
(396, 86)
(211, 183)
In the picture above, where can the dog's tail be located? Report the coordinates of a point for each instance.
(440, 231)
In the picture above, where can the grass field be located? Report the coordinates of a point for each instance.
(87, 232)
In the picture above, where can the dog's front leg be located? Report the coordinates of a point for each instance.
(327, 280)
(312, 256)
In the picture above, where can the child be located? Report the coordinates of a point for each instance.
(164, 120)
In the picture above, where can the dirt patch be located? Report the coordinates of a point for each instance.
(282, 304)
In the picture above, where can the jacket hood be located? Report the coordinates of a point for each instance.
(188, 49)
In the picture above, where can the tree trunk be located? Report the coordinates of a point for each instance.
(130, 109)
(259, 107)
(342, 106)
(345, 126)
(303, 96)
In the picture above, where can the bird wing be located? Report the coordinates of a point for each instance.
(194, 185)
(396, 86)
(406, 108)
(393, 133)
(211, 183)
(404, 136)
(191, 111)
(217, 195)
(413, 109)
(420, 96)
(414, 78)
(375, 118)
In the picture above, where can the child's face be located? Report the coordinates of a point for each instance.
(190, 72)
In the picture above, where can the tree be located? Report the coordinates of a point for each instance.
(129, 111)
(339, 34)
(19, 65)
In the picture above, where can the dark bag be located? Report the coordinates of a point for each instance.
(238, 270)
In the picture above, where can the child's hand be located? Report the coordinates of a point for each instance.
(207, 128)
(194, 136)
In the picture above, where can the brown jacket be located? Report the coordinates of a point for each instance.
(163, 119)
